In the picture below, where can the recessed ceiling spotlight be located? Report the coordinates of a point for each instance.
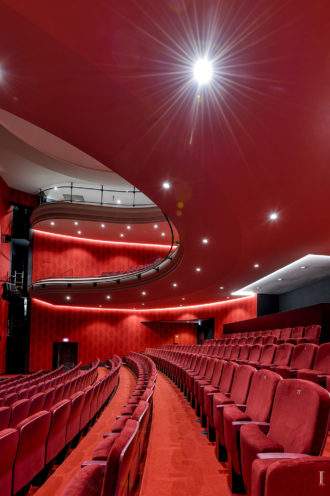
(65, 340)
(118, 201)
(166, 185)
(55, 188)
(221, 287)
(68, 298)
(79, 232)
(181, 305)
(163, 234)
(303, 267)
(198, 269)
(128, 227)
(203, 71)
(103, 226)
(100, 306)
(256, 266)
(155, 226)
(143, 293)
(52, 223)
(183, 298)
(76, 223)
(279, 279)
(121, 235)
(143, 304)
(108, 297)
(228, 297)
(175, 284)
(273, 216)
(205, 241)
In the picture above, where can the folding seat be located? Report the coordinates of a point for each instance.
(302, 358)
(5, 412)
(250, 354)
(37, 403)
(19, 411)
(189, 367)
(117, 476)
(296, 335)
(302, 475)
(266, 356)
(8, 448)
(191, 373)
(284, 336)
(85, 414)
(56, 439)
(206, 379)
(258, 339)
(311, 334)
(210, 386)
(298, 424)
(242, 341)
(238, 395)
(227, 352)
(30, 457)
(321, 367)
(282, 356)
(58, 392)
(257, 409)
(9, 399)
(199, 374)
(269, 339)
(131, 405)
(224, 388)
(96, 389)
(49, 398)
(234, 353)
(275, 332)
(250, 340)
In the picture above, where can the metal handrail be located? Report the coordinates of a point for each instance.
(44, 199)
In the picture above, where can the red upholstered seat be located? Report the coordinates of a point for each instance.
(73, 425)
(30, 458)
(5, 412)
(37, 403)
(85, 417)
(306, 476)
(266, 356)
(311, 334)
(258, 408)
(238, 395)
(49, 398)
(302, 358)
(8, 447)
(57, 432)
(321, 368)
(209, 387)
(298, 424)
(19, 411)
(9, 399)
(282, 356)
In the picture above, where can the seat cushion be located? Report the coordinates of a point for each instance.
(103, 448)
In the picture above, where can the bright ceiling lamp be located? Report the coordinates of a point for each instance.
(203, 71)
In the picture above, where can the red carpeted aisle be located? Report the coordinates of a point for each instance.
(64, 472)
(180, 459)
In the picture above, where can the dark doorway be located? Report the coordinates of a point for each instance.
(65, 354)
(205, 330)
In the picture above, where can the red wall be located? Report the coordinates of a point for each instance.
(101, 333)
(61, 256)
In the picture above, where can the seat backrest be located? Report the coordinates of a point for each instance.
(261, 395)
(119, 477)
(303, 356)
(285, 333)
(255, 352)
(283, 354)
(297, 332)
(322, 359)
(244, 352)
(209, 368)
(269, 339)
(227, 352)
(227, 376)
(313, 332)
(19, 411)
(49, 398)
(8, 447)
(37, 403)
(30, 457)
(299, 420)
(73, 426)
(241, 383)
(217, 373)
(267, 354)
(9, 399)
(234, 352)
(5, 412)
(57, 431)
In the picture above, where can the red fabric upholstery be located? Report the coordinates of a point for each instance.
(224, 387)
(73, 425)
(298, 424)
(8, 447)
(30, 457)
(5, 412)
(37, 403)
(321, 365)
(57, 432)
(49, 398)
(302, 358)
(19, 411)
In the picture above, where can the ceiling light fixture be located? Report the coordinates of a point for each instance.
(256, 266)
(166, 185)
(108, 297)
(155, 226)
(163, 234)
(128, 227)
(175, 285)
(279, 279)
(76, 223)
(103, 226)
(68, 298)
(52, 223)
(55, 188)
(221, 287)
(143, 293)
(118, 202)
(79, 232)
(205, 241)
(198, 269)
(203, 71)
(121, 235)
(65, 340)
(273, 216)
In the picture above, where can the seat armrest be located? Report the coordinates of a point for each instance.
(87, 463)
(279, 456)
(227, 394)
(242, 406)
(264, 426)
(225, 404)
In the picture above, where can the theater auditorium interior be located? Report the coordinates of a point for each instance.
(165, 248)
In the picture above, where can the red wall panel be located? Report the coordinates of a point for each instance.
(60, 257)
(101, 333)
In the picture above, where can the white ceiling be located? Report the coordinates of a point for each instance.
(33, 159)
(301, 272)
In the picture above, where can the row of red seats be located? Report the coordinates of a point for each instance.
(255, 416)
(42, 383)
(36, 441)
(12, 415)
(117, 462)
(28, 381)
(17, 378)
(295, 335)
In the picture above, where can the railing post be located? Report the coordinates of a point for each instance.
(134, 196)
(102, 194)
(71, 192)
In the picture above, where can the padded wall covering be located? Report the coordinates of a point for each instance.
(63, 257)
(101, 333)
